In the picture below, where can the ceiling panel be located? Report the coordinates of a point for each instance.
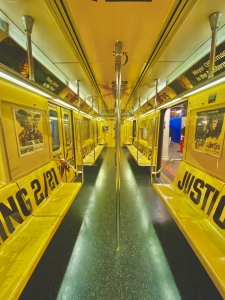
(79, 37)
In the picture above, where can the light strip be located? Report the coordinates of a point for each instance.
(71, 107)
(20, 37)
(202, 88)
(86, 115)
(65, 104)
(206, 86)
(169, 103)
(33, 89)
(130, 119)
(196, 55)
(147, 113)
(27, 86)
(72, 87)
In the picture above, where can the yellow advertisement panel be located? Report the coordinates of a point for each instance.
(29, 131)
(209, 131)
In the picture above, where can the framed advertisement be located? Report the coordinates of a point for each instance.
(29, 131)
(209, 131)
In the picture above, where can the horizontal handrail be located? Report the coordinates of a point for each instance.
(63, 159)
(166, 164)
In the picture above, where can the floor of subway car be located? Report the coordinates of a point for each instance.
(154, 262)
(174, 152)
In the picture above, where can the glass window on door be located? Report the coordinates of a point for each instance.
(54, 127)
(67, 129)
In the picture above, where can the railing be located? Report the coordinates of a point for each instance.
(72, 167)
(163, 167)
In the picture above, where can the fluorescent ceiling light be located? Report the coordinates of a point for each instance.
(27, 86)
(20, 37)
(205, 87)
(65, 104)
(147, 113)
(196, 56)
(161, 86)
(87, 116)
(72, 87)
(169, 103)
(71, 107)
(130, 119)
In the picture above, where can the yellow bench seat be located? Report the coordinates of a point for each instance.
(91, 157)
(30, 212)
(142, 159)
(206, 238)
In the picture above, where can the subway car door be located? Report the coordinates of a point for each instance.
(62, 142)
(57, 138)
(76, 137)
(110, 133)
(68, 144)
(134, 131)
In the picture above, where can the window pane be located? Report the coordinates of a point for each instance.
(144, 133)
(54, 126)
(67, 129)
(86, 129)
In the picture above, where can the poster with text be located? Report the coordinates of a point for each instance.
(29, 131)
(209, 131)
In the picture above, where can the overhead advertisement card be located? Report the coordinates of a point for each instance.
(29, 131)
(209, 131)
(192, 77)
(14, 56)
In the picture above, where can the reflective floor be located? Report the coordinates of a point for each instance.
(154, 261)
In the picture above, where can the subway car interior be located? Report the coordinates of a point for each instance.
(112, 156)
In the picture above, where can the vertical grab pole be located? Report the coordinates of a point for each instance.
(28, 22)
(80, 130)
(93, 128)
(214, 20)
(139, 122)
(154, 128)
(118, 53)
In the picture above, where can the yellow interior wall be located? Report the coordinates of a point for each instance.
(208, 163)
(12, 96)
(148, 122)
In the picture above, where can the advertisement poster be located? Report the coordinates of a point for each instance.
(195, 75)
(29, 131)
(15, 57)
(209, 131)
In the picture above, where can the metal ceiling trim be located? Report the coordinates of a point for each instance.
(175, 18)
(60, 12)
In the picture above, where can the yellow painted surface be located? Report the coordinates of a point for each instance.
(21, 164)
(211, 164)
(91, 152)
(143, 157)
(39, 207)
(196, 202)
(68, 145)
(19, 96)
(110, 134)
(126, 131)
(141, 149)
(3, 166)
(76, 123)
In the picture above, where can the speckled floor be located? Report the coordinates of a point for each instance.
(154, 261)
